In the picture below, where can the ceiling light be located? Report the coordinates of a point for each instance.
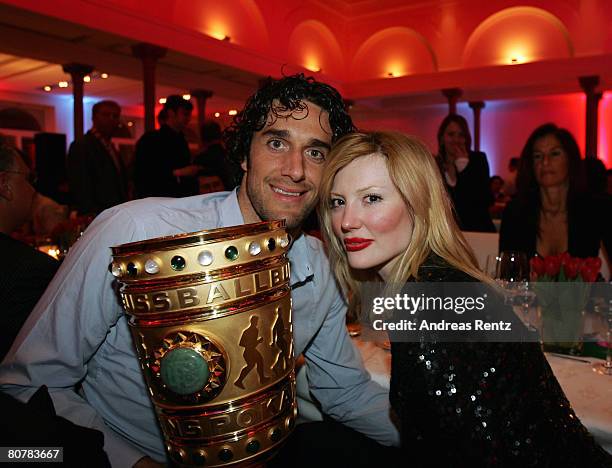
(130, 124)
(87, 78)
(186, 97)
(63, 84)
(232, 112)
(313, 68)
(104, 75)
(217, 114)
(47, 88)
(220, 36)
(162, 100)
(515, 57)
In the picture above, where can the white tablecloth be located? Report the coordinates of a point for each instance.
(589, 392)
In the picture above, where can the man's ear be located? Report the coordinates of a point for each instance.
(244, 165)
(5, 187)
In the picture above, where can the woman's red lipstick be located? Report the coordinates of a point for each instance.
(353, 244)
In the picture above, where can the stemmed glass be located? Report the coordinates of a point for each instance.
(512, 274)
(492, 265)
(605, 368)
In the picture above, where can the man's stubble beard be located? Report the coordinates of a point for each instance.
(257, 202)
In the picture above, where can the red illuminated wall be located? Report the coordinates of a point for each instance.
(506, 124)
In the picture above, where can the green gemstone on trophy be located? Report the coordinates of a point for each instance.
(132, 269)
(225, 455)
(178, 456)
(276, 434)
(199, 458)
(184, 371)
(253, 446)
(231, 253)
(177, 263)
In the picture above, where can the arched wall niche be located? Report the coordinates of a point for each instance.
(397, 50)
(517, 35)
(18, 119)
(312, 45)
(240, 20)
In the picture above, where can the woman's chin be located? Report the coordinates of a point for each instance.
(361, 263)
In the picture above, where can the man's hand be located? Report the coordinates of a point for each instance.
(148, 462)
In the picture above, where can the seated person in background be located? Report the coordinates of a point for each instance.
(466, 174)
(25, 272)
(552, 211)
(499, 197)
(510, 182)
(385, 214)
(79, 333)
(497, 187)
(213, 158)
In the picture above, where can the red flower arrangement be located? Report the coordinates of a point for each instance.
(562, 284)
(564, 267)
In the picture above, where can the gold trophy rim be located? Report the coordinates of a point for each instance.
(195, 238)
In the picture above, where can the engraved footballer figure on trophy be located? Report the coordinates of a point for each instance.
(249, 340)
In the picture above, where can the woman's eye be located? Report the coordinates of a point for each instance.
(555, 153)
(538, 156)
(372, 198)
(336, 202)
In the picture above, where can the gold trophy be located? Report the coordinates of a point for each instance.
(210, 315)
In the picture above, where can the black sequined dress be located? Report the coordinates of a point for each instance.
(484, 404)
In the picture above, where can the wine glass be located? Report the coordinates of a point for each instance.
(491, 265)
(605, 368)
(512, 274)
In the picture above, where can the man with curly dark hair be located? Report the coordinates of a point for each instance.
(78, 332)
(281, 177)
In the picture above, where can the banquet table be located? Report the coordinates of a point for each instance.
(589, 393)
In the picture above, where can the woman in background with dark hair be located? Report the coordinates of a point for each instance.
(466, 174)
(552, 211)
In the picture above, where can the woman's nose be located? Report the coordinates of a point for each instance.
(350, 219)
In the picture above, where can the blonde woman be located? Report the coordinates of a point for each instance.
(385, 212)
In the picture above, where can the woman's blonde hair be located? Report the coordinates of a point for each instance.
(415, 174)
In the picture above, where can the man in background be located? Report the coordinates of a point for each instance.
(213, 158)
(163, 162)
(96, 174)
